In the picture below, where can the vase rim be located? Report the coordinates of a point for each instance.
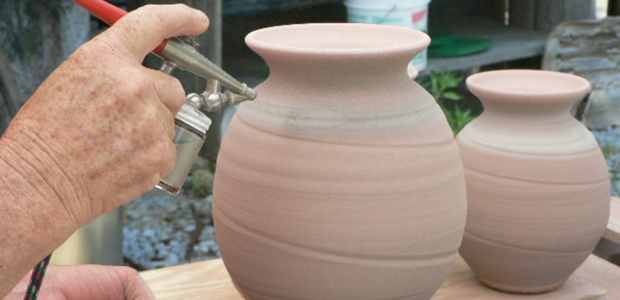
(338, 39)
(528, 83)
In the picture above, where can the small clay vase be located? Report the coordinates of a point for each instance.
(537, 182)
(342, 180)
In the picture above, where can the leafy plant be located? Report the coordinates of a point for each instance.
(611, 151)
(444, 88)
(200, 183)
(609, 141)
(212, 167)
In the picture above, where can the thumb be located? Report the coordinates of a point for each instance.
(140, 31)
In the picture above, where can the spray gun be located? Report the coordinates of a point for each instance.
(191, 124)
(180, 52)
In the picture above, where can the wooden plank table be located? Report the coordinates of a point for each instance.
(596, 279)
(613, 227)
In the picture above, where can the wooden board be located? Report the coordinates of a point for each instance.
(550, 13)
(612, 232)
(530, 23)
(462, 284)
(507, 43)
(209, 280)
(523, 13)
(198, 281)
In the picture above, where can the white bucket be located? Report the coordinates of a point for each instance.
(402, 13)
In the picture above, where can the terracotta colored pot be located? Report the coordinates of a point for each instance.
(342, 179)
(537, 183)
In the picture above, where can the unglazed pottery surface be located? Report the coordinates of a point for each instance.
(537, 182)
(342, 179)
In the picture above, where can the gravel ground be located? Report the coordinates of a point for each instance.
(159, 228)
(609, 140)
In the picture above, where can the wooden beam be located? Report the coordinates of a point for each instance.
(613, 8)
(550, 13)
(507, 43)
(522, 13)
(458, 8)
(497, 9)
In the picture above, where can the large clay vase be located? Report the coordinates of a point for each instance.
(537, 183)
(342, 179)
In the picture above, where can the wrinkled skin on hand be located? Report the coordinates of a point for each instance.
(88, 282)
(95, 135)
(99, 130)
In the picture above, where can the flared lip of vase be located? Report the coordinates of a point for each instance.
(338, 38)
(532, 85)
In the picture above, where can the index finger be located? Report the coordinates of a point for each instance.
(143, 29)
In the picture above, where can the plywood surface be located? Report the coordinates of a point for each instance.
(462, 284)
(596, 279)
(612, 232)
(198, 281)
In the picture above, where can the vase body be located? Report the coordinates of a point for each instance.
(342, 179)
(537, 182)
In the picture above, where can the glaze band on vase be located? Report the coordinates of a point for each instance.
(537, 182)
(342, 180)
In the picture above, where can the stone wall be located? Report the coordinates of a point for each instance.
(35, 38)
(590, 49)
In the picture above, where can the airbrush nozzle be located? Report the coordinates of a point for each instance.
(187, 58)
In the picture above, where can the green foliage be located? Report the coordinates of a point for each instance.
(458, 117)
(614, 176)
(611, 151)
(200, 183)
(212, 167)
(444, 88)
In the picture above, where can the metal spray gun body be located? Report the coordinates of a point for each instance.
(191, 123)
(181, 53)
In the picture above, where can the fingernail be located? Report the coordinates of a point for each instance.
(201, 16)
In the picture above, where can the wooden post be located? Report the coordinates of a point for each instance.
(35, 38)
(211, 47)
(522, 13)
(613, 8)
(496, 9)
(550, 13)
(445, 9)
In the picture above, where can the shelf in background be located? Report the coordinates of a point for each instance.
(507, 43)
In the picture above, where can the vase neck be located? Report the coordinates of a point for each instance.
(336, 73)
(528, 96)
(324, 60)
(519, 110)
(363, 88)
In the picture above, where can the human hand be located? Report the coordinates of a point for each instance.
(91, 282)
(98, 132)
